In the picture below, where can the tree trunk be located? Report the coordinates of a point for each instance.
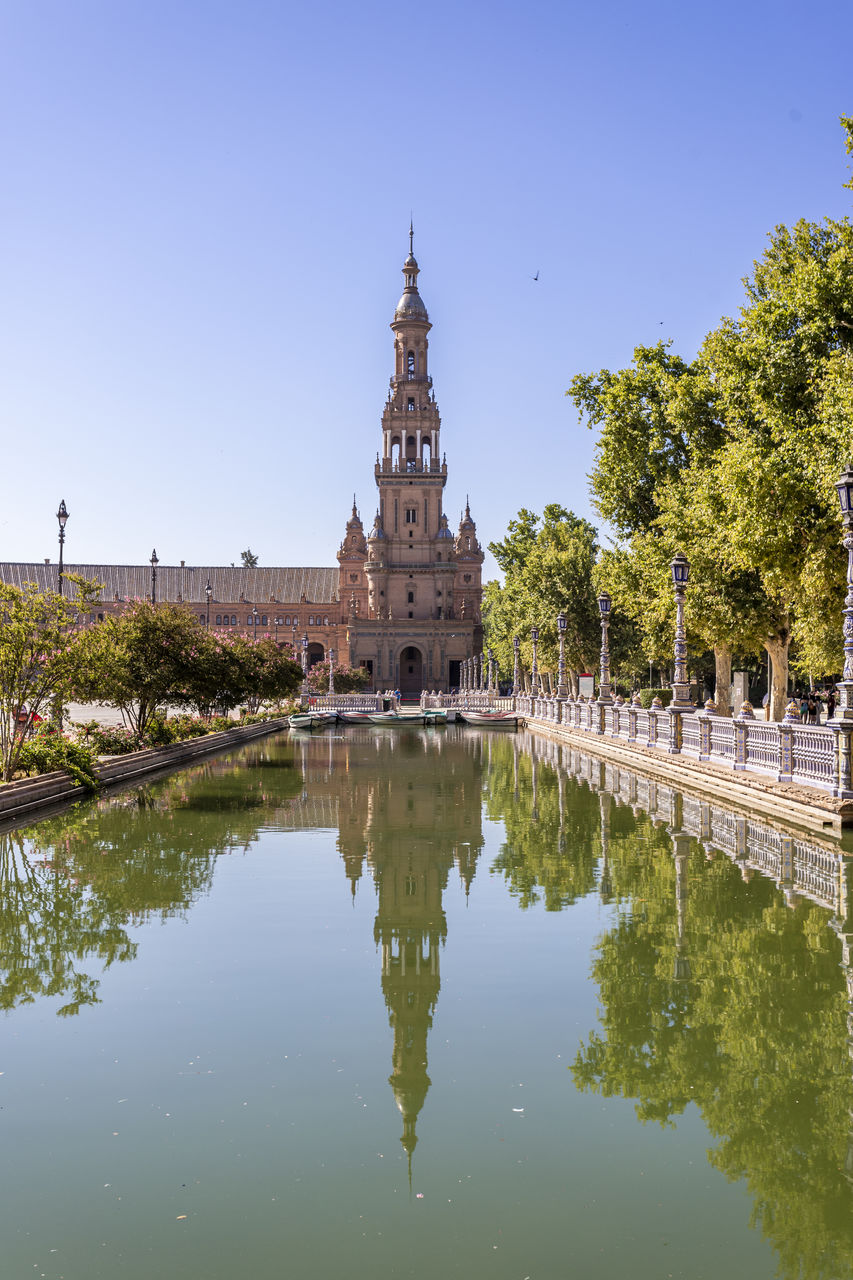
(723, 679)
(777, 647)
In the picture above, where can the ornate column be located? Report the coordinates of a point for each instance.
(680, 704)
(562, 623)
(842, 722)
(534, 669)
(605, 698)
(516, 645)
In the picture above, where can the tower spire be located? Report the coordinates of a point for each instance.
(411, 237)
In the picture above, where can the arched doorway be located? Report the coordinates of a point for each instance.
(316, 653)
(411, 671)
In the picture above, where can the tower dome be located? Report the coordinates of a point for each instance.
(411, 305)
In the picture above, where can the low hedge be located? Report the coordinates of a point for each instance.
(647, 696)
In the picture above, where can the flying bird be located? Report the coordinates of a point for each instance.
(536, 277)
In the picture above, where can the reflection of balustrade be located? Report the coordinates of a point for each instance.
(803, 865)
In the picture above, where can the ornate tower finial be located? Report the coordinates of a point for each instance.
(411, 237)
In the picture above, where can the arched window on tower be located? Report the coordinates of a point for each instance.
(411, 405)
(395, 451)
(426, 453)
(410, 364)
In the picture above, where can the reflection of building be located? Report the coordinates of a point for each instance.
(404, 600)
(411, 817)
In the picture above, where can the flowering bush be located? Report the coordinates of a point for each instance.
(49, 750)
(107, 740)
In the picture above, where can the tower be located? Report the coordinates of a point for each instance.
(418, 590)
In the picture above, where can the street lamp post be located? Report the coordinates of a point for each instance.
(480, 664)
(255, 623)
(331, 673)
(534, 667)
(562, 624)
(604, 694)
(208, 591)
(491, 657)
(516, 645)
(680, 686)
(62, 517)
(842, 720)
(305, 663)
(154, 564)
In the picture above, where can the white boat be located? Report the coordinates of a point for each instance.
(399, 719)
(490, 719)
(311, 720)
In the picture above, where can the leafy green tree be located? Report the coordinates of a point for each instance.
(547, 568)
(248, 559)
(37, 637)
(262, 671)
(145, 658)
(347, 679)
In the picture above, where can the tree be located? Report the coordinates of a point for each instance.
(547, 570)
(37, 636)
(262, 671)
(249, 559)
(784, 374)
(347, 679)
(146, 658)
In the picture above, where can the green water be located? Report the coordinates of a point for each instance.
(412, 1003)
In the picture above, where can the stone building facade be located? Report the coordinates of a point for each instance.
(405, 600)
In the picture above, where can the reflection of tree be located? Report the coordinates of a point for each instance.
(552, 827)
(714, 992)
(72, 885)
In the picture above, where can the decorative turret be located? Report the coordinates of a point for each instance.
(467, 546)
(354, 545)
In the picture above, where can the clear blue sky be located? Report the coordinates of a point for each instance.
(203, 216)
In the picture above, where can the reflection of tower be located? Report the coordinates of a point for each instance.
(424, 819)
(410, 926)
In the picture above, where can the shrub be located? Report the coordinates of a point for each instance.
(49, 750)
(106, 740)
(646, 696)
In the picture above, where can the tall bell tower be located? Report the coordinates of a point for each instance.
(422, 585)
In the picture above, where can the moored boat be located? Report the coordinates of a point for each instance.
(399, 719)
(355, 717)
(311, 720)
(490, 719)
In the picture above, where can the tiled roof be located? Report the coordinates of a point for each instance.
(261, 585)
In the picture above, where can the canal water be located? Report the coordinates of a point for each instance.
(422, 1003)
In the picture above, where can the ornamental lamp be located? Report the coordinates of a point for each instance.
(844, 489)
(604, 603)
(516, 643)
(680, 569)
(562, 622)
(62, 515)
(534, 634)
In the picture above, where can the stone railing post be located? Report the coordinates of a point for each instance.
(676, 732)
(741, 725)
(786, 738)
(704, 718)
